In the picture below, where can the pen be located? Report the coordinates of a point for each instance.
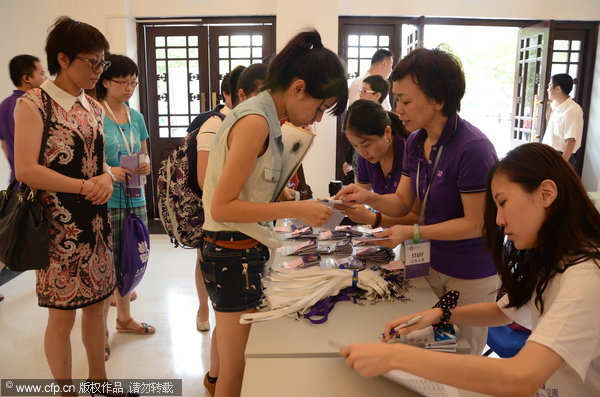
(410, 322)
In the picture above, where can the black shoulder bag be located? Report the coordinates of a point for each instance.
(25, 220)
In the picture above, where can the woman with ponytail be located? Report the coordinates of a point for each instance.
(304, 80)
(378, 137)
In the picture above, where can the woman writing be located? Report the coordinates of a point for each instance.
(552, 283)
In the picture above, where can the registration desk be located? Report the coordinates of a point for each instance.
(292, 357)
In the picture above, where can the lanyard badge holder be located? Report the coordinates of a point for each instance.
(417, 252)
(131, 160)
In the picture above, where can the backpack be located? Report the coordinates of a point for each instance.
(179, 195)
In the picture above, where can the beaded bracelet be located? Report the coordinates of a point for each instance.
(377, 220)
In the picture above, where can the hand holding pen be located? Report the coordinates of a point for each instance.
(406, 324)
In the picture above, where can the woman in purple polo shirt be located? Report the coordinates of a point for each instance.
(446, 161)
(378, 136)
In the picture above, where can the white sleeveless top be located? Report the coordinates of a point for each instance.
(261, 183)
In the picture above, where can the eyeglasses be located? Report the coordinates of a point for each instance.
(363, 91)
(124, 84)
(96, 64)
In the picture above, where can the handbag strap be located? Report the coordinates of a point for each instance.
(47, 121)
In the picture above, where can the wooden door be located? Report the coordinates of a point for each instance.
(533, 54)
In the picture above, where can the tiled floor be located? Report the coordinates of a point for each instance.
(166, 299)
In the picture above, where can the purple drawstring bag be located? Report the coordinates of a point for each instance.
(135, 250)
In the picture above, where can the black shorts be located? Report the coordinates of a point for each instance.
(233, 276)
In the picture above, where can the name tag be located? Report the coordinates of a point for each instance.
(416, 254)
(416, 258)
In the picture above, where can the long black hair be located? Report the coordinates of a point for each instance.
(569, 235)
(366, 117)
(304, 57)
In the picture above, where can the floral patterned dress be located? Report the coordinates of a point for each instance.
(81, 270)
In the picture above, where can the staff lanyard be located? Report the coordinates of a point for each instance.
(128, 145)
(435, 165)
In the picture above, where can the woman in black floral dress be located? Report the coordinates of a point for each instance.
(76, 185)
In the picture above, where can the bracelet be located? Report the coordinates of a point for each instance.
(377, 220)
(416, 233)
(81, 188)
(448, 301)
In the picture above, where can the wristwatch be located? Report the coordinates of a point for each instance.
(109, 172)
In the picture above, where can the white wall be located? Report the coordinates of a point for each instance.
(513, 9)
(319, 165)
(23, 26)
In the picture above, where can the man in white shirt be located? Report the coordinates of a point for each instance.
(381, 64)
(565, 127)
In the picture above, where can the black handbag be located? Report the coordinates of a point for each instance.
(25, 220)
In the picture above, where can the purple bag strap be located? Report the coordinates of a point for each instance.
(323, 307)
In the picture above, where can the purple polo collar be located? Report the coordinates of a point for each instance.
(448, 133)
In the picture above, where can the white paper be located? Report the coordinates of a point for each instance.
(422, 386)
(335, 220)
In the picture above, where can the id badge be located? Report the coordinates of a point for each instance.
(416, 258)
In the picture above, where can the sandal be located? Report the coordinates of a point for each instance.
(132, 297)
(144, 329)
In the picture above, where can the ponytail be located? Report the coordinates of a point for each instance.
(304, 57)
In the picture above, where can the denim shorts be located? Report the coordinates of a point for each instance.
(233, 276)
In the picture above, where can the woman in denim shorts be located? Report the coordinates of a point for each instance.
(244, 167)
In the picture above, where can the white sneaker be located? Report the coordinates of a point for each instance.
(202, 326)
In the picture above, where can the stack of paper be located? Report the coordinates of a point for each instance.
(343, 247)
(442, 340)
(375, 254)
(305, 248)
(303, 262)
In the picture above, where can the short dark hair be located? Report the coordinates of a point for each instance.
(381, 55)
(305, 58)
(524, 271)
(252, 78)
(21, 65)
(71, 38)
(378, 84)
(120, 66)
(366, 117)
(438, 74)
(564, 81)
